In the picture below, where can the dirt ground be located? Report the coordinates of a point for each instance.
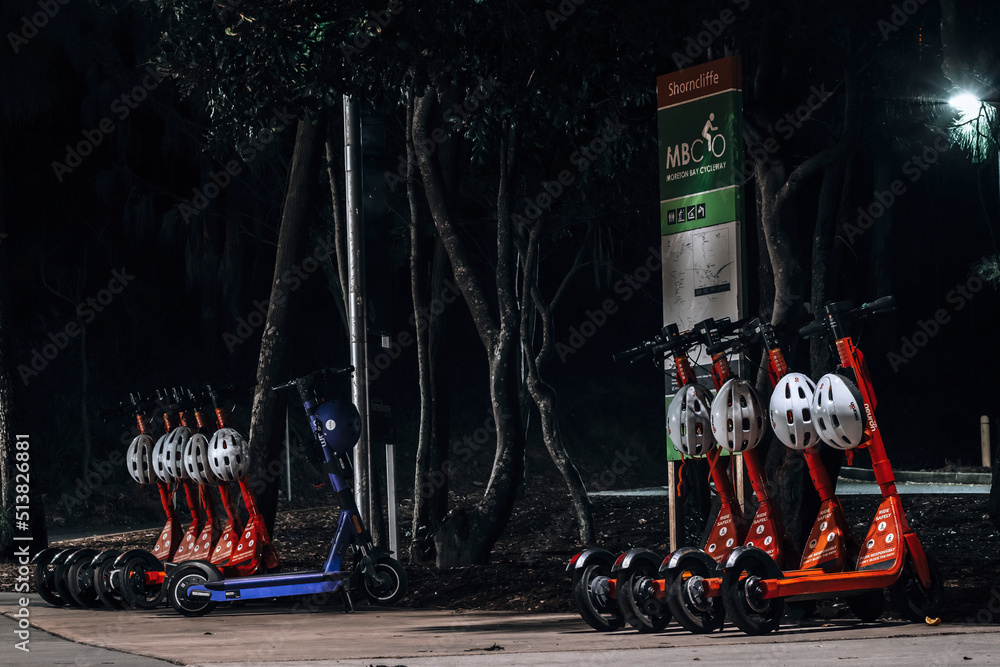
(527, 569)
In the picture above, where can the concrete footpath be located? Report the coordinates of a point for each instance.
(289, 636)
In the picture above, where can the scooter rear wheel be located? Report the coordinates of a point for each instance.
(184, 577)
(636, 599)
(389, 584)
(690, 608)
(45, 571)
(909, 596)
(80, 579)
(135, 591)
(868, 606)
(741, 593)
(102, 565)
(592, 600)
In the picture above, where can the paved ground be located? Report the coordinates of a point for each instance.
(292, 636)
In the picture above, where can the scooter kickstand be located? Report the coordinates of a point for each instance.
(348, 604)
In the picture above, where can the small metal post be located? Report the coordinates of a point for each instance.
(390, 484)
(984, 432)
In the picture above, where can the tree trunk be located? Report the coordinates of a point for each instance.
(466, 536)
(335, 267)
(543, 395)
(437, 336)
(267, 417)
(424, 482)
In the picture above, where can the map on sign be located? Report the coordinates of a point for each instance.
(713, 261)
(699, 270)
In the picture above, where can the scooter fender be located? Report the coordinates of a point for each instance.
(673, 560)
(44, 554)
(588, 557)
(633, 556)
(774, 571)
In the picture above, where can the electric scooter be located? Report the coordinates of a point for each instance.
(80, 577)
(695, 596)
(140, 576)
(195, 588)
(754, 589)
(599, 579)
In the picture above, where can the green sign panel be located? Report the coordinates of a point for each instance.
(699, 119)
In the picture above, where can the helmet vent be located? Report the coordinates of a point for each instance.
(805, 440)
(806, 416)
(788, 417)
(822, 424)
(835, 420)
(802, 393)
(746, 423)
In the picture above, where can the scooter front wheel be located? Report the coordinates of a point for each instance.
(636, 595)
(686, 599)
(63, 561)
(181, 579)
(389, 583)
(741, 593)
(102, 566)
(80, 579)
(592, 599)
(45, 572)
(137, 592)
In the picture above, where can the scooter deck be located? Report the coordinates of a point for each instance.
(879, 563)
(254, 588)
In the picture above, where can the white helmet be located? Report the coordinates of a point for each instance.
(229, 455)
(791, 411)
(159, 463)
(196, 463)
(173, 452)
(837, 407)
(689, 420)
(737, 416)
(139, 459)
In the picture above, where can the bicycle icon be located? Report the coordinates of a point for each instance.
(713, 141)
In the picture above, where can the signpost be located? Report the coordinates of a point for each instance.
(699, 118)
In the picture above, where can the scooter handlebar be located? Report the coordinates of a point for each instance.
(877, 306)
(323, 373)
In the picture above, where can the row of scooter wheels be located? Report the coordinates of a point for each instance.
(91, 579)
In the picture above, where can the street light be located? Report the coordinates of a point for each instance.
(967, 103)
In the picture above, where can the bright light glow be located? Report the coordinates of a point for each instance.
(967, 103)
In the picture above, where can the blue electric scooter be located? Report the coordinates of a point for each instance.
(194, 588)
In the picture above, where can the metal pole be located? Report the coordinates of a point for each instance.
(984, 434)
(288, 456)
(390, 483)
(356, 308)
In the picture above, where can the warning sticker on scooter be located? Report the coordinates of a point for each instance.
(825, 547)
(881, 549)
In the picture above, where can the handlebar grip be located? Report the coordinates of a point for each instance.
(878, 305)
(633, 354)
(724, 345)
(812, 328)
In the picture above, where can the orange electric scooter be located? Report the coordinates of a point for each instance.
(696, 598)
(754, 589)
(599, 579)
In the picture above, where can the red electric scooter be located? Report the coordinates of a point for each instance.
(754, 588)
(599, 579)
